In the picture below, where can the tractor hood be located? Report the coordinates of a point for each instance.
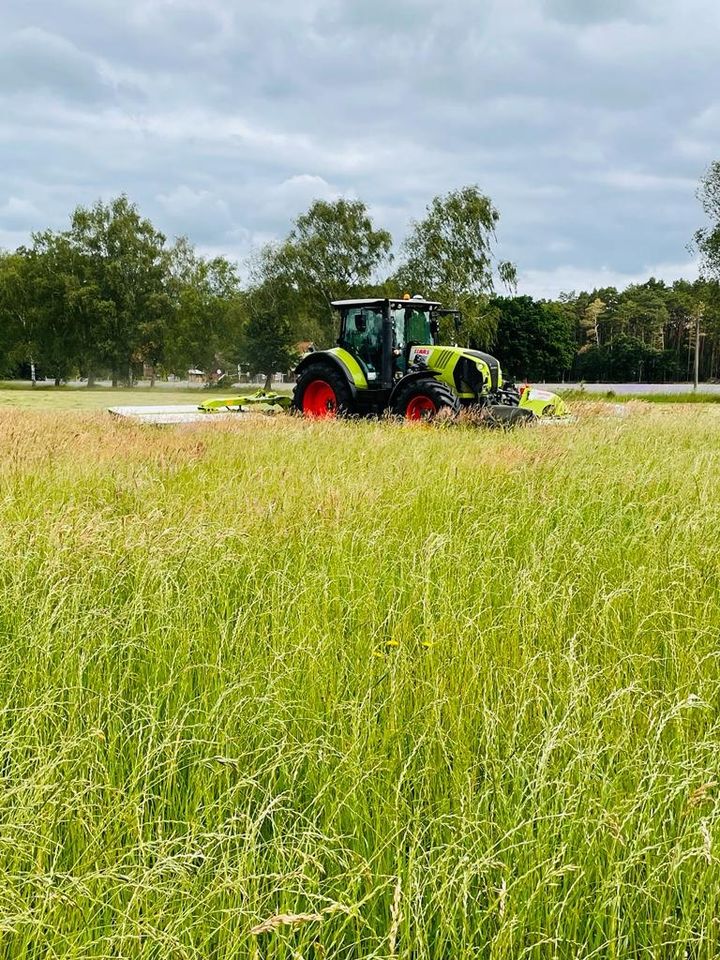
(491, 363)
(461, 368)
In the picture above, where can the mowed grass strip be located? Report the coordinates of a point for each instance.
(279, 689)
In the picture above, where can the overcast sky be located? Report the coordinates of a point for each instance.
(588, 122)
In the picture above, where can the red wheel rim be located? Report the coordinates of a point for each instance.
(420, 407)
(319, 399)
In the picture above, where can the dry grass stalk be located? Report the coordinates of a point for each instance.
(395, 917)
(707, 840)
(502, 897)
(295, 919)
(701, 794)
(614, 827)
(285, 920)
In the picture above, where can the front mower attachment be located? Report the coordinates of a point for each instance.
(501, 416)
(543, 403)
(261, 400)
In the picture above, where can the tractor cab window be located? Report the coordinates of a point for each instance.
(362, 336)
(412, 326)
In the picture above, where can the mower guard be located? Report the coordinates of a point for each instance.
(543, 403)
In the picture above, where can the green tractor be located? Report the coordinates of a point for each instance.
(388, 358)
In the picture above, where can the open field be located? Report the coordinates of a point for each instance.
(273, 689)
(572, 396)
(48, 397)
(647, 391)
(82, 399)
(100, 398)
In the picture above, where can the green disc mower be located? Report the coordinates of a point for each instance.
(261, 400)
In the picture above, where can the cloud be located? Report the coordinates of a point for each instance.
(597, 11)
(549, 284)
(639, 181)
(18, 215)
(588, 123)
(296, 193)
(32, 59)
(196, 213)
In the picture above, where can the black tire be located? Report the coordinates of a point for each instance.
(408, 401)
(336, 381)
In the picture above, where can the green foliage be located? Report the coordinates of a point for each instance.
(50, 267)
(332, 251)
(642, 312)
(449, 252)
(449, 255)
(645, 331)
(707, 239)
(533, 340)
(109, 294)
(18, 311)
(268, 341)
(207, 298)
(126, 262)
(625, 358)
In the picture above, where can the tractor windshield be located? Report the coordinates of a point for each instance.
(411, 326)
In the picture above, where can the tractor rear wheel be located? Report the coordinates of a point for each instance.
(322, 392)
(424, 399)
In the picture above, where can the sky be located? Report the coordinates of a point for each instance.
(588, 122)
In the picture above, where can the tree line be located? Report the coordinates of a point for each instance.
(110, 295)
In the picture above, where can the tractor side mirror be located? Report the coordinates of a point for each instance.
(458, 322)
(434, 328)
(361, 323)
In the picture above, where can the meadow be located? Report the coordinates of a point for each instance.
(274, 689)
(50, 398)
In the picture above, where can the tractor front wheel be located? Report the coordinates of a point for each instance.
(424, 399)
(322, 393)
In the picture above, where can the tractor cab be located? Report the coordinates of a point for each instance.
(378, 332)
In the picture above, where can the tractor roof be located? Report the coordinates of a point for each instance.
(395, 302)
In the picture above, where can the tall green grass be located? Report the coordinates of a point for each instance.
(282, 689)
